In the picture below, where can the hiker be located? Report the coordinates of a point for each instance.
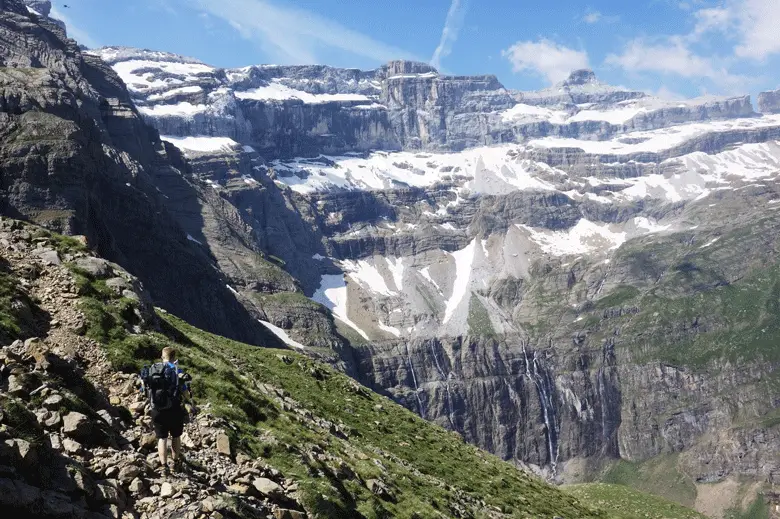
(167, 388)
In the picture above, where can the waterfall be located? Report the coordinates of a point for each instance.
(414, 379)
(446, 385)
(610, 399)
(544, 388)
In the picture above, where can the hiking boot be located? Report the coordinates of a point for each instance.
(164, 471)
(179, 464)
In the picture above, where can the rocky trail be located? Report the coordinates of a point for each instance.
(76, 438)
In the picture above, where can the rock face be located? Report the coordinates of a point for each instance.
(303, 111)
(77, 158)
(769, 102)
(43, 8)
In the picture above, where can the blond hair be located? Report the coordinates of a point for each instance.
(169, 354)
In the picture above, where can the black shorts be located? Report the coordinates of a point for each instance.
(170, 421)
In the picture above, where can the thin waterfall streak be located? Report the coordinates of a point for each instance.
(414, 379)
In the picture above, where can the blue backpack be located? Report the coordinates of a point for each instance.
(162, 384)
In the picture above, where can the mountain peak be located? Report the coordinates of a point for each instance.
(581, 77)
(404, 67)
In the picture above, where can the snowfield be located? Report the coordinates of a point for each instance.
(142, 75)
(201, 144)
(276, 91)
(654, 141)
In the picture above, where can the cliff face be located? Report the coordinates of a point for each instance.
(769, 102)
(289, 111)
(77, 158)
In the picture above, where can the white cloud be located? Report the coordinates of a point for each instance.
(449, 35)
(592, 17)
(295, 35)
(712, 19)
(758, 22)
(753, 23)
(73, 30)
(545, 57)
(673, 56)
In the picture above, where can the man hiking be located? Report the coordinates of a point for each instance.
(166, 386)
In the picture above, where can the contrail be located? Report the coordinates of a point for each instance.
(449, 35)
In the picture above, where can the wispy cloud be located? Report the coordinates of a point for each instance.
(758, 23)
(673, 55)
(752, 23)
(449, 35)
(73, 30)
(739, 29)
(669, 56)
(545, 57)
(293, 35)
(592, 17)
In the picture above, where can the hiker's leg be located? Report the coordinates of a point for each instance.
(177, 429)
(162, 450)
(176, 447)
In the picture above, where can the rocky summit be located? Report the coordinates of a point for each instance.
(581, 280)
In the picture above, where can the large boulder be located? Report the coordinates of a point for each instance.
(268, 488)
(78, 426)
(96, 267)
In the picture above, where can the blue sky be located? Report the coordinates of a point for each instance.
(676, 48)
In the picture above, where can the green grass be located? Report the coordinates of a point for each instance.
(426, 467)
(109, 318)
(618, 297)
(60, 243)
(478, 320)
(623, 503)
(759, 509)
(659, 476)
(415, 454)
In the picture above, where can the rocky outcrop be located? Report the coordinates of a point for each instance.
(769, 102)
(43, 8)
(77, 158)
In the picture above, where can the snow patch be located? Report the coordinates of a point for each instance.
(282, 334)
(710, 243)
(332, 294)
(183, 109)
(201, 143)
(389, 329)
(524, 112)
(464, 259)
(367, 276)
(396, 266)
(590, 237)
(276, 91)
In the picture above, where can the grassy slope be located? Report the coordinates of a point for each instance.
(426, 467)
(385, 440)
(623, 503)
